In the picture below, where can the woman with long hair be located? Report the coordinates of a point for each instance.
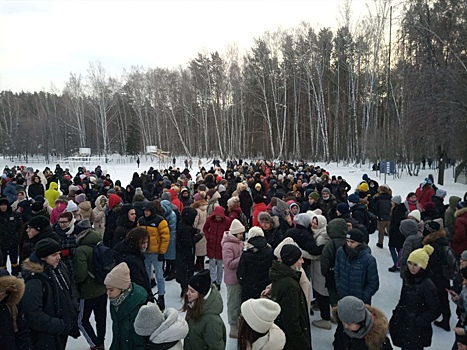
(203, 306)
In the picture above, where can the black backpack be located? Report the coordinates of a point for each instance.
(371, 222)
(104, 261)
(450, 264)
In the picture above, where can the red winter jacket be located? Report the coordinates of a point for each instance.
(424, 194)
(175, 200)
(459, 240)
(214, 231)
(258, 208)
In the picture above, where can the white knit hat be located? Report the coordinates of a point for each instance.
(119, 277)
(260, 314)
(236, 227)
(415, 214)
(255, 231)
(148, 320)
(71, 207)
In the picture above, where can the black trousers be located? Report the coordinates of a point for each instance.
(97, 305)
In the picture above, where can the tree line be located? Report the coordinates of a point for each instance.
(362, 92)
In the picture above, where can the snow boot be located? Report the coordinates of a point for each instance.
(322, 324)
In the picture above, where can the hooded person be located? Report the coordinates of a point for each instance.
(14, 333)
(99, 214)
(255, 262)
(294, 319)
(232, 247)
(126, 298)
(125, 222)
(257, 328)
(160, 330)
(361, 327)
(413, 240)
(52, 194)
(216, 224)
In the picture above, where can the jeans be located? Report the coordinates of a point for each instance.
(13, 253)
(394, 255)
(97, 305)
(216, 268)
(149, 262)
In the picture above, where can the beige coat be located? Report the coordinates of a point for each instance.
(201, 207)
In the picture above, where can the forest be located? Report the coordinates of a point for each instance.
(386, 87)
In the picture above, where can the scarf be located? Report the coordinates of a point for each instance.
(116, 302)
(353, 252)
(364, 329)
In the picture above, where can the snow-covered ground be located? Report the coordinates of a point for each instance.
(390, 283)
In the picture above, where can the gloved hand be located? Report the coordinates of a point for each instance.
(197, 237)
(75, 332)
(161, 257)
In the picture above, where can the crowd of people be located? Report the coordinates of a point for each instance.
(286, 240)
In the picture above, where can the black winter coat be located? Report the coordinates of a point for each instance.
(304, 238)
(438, 241)
(418, 306)
(134, 258)
(274, 236)
(35, 190)
(440, 206)
(50, 310)
(10, 228)
(383, 206)
(396, 238)
(9, 339)
(29, 245)
(253, 268)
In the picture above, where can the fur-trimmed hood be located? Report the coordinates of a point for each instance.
(460, 212)
(375, 339)
(14, 287)
(434, 236)
(201, 204)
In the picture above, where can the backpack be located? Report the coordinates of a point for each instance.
(104, 262)
(371, 222)
(243, 219)
(450, 265)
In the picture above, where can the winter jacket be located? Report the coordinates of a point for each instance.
(257, 208)
(10, 228)
(294, 317)
(49, 307)
(10, 192)
(246, 202)
(439, 204)
(449, 218)
(413, 240)
(83, 263)
(172, 330)
(158, 229)
(171, 218)
(253, 268)
(357, 277)
(396, 238)
(383, 206)
(424, 194)
(213, 202)
(99, 214)
(12, 311)
(232, 248)
(111, 220)
(273, 340)
(134, 258)
(214, 232)
(274, 235)
(439, 243)
(124, 225)
(337, 231)
(52, 194)
(304, 238)
(410, 205)
(201, 207)
(35, 189)
(418, 307)
(175, 200)
(187, 236)
(375, 339)
(123, 320)
(321, 238)
(209, 332)
(29, 245)
(59, 208)
(86, 211)
(67, 244)
(459, 240)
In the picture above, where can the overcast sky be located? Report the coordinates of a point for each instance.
(43, 41)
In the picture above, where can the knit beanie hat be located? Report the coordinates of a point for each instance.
(46, 247)
(363, 187)
(408, 227)
(429, 206)
(265, 217)
(255, 231)
(356, 235)
(325, 190)
(201, 282)
(354, 198)
(440, 193)
(138, 191)
(119, 277)
(283, 206)
(71, 207)
(461, 205)
(148, 320)
(236, 227)
(397, 199)
(343, 208)
(290, 254)
(421, 256)
(314, 195)
(197, 197)
(114, 200)
(415, 214)
(430, 227)
(80, 198)
(166, 196)
(351, 310)
(39, 222)
(464, 255)
(260, 314)
(302, 219)
(37, 206)
(221, 188)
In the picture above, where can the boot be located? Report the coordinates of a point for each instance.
(15, 269)
(393, 269)
(233, 331)
(153, 283)
(171, 275)
(444, 324)
(167, 268)
(161, 303)
(322, 324)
